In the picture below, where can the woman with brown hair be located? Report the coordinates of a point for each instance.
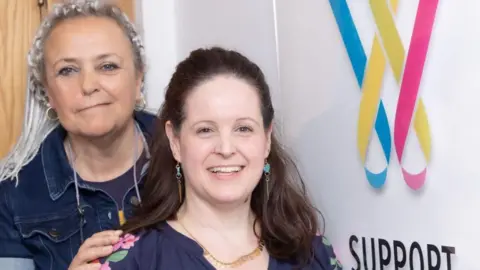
(220, 191)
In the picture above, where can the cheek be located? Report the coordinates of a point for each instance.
(121, 88)
(254, 149)
(62, 100)
(194, 150)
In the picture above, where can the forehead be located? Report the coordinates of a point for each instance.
(84, 36)
(223, 98)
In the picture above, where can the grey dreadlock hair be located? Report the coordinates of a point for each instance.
(37, 125)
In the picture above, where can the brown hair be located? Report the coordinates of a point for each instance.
(287, 218)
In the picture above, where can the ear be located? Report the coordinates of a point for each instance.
(48, 93)
(174, 141)
(269, 141)
(51, 101)
(138, 85)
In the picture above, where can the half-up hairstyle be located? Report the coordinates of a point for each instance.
(287, 218)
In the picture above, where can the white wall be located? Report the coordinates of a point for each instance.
(174, 28)
(318, 99)
(158, 26)
(321, 100)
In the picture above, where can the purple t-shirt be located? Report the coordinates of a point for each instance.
(117, 188)
(166, 249)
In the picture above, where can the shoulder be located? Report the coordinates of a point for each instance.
(132, 251)
(30, 186)
(124, 253)
(32, 175)
(31, 172)
(6, 188)
(325, 254)
(146, 120)
(28, 180)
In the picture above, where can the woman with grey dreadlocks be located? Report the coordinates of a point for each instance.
(75, 173)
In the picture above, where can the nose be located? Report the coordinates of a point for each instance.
(225, 145)
(89, 82)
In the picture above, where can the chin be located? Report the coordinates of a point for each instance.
(224, 197)
(95, 134)
(97, 130)
(229, 200)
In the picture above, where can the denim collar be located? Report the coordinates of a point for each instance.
(56, 168)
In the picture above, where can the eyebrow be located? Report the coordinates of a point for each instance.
(237, 120)
(248, 119)
(99, 57)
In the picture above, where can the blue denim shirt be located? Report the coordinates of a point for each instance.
(39, 218)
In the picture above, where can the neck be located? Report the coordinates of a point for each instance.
(103, 159)
(232, 221)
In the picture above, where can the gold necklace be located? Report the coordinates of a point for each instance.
(236, 263)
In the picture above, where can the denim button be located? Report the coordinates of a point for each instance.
(53, 233)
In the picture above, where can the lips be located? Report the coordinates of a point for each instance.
(95, 106)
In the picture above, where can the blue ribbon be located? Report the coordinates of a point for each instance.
(358, 59)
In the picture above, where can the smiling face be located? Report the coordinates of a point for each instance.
(222, 143)
(90, 76)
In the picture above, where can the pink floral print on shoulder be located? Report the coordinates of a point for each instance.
(120, 250)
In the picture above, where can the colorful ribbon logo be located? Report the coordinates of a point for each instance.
(370, 76)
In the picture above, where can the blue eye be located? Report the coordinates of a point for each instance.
(109, 67)
(65, 71)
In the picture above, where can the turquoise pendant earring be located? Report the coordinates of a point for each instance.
(179, 181)
(266, 172)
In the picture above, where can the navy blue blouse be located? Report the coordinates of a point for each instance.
(168, 249)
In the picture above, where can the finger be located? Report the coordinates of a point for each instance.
(94, 253)
(107, 233)
(100, 240)
(103, 241)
